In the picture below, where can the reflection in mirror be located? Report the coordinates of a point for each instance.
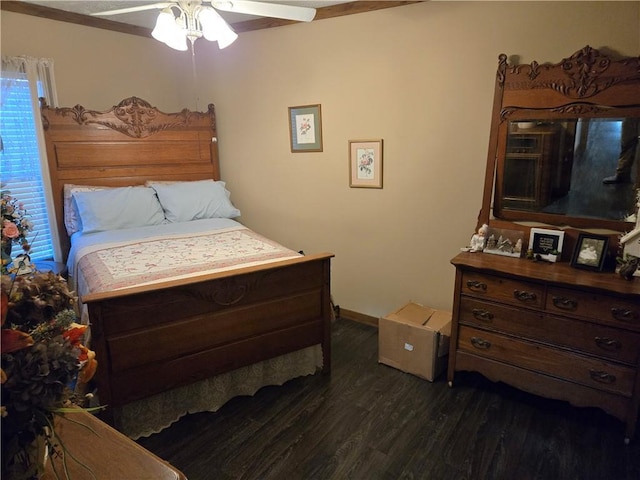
(581, 167)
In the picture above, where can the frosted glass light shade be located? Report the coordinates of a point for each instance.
(169, 32)
(164, 25)
(227, 38)
(214, 28)
(178, 41)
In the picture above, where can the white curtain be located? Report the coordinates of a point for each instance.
(38, 73)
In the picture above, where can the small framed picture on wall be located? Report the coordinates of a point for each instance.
(305, 128)
(365, 163)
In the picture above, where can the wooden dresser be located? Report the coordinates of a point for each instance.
(549, 329)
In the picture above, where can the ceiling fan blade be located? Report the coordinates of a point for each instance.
(266, 9)
(139, 8)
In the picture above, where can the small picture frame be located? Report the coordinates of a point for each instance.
(590, 252)
(305, 128)
(365, 163)
(546, 243)
(505, 242)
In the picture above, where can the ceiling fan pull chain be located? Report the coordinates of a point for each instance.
(195, 78)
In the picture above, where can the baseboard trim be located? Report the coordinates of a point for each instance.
(359, 317)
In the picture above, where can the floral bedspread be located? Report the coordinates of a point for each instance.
(116, 266)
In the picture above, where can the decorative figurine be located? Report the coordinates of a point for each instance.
(628, 267)
(518, 247)
(478, 239)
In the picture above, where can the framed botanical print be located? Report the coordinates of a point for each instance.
(365, 163)
(305, 128)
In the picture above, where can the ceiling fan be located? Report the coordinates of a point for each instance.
(192, 19)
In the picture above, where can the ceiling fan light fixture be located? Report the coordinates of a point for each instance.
(196, 20)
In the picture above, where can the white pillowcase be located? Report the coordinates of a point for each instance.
(118, 208)
(72, 220)
(186, 201)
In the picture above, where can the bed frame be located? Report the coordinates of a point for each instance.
(155, 338)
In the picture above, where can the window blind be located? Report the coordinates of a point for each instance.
(21, 172)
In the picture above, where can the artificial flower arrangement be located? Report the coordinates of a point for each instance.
(15, 226)
(43, 363)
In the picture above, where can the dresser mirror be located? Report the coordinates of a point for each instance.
(558, 131)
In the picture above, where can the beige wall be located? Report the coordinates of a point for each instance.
(97, 68)
(421, 77)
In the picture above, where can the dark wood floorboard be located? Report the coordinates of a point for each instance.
(369, 421)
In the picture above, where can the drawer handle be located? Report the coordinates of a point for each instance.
(602, 376)
(564, 303)
(480, 343)
(482, 315)
(476, 286)
(524, 296)
(625, 314)
(608, 344)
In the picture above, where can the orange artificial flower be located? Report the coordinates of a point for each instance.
(74, 332)
(89, 369)
(14, 340)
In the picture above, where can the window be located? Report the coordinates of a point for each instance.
(24, 171)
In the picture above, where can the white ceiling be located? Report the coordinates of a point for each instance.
(147, 18)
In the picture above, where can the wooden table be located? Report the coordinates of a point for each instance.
(108, 453)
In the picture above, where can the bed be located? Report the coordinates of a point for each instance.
(185, 343)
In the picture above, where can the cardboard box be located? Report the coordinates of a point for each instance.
(415, 339)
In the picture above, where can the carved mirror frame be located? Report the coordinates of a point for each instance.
(588, 84)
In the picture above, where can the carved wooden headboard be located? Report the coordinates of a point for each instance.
(126, 145)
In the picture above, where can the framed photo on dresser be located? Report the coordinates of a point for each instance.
(590, 252)
(546, 243)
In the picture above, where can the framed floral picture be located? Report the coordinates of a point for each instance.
(305, 128)
(365, 163)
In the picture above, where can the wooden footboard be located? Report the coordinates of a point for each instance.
(155, 338)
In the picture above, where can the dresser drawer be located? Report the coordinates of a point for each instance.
(601, 308)
(502, 290)
(503, 318)
(606, 342)
(584, 370)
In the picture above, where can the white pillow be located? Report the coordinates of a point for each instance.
(186, 201)
(72, 221)
(118, 208)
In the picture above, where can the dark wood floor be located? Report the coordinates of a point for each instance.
(369, 421)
